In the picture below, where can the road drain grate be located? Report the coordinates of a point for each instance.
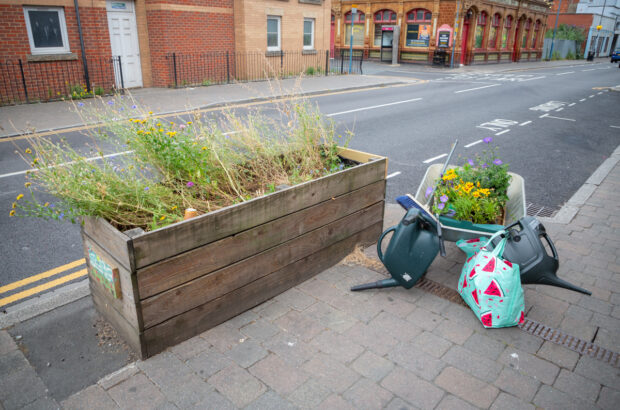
(530, 326)
(539, 210)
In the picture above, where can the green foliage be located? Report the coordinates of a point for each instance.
(206, 82)
(99, 90)
(78, 92)
(568, 32)
(310, 71)
(556, 56)
(570, 55)
(202, 164)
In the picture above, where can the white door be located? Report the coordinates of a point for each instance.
(124, 41)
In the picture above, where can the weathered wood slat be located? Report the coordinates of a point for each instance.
(183, 236)
(129, 333)
(127, 305)
(111, 239)
(199, 291)
(177, 270)
(204, 317)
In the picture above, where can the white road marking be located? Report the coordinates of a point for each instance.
(568, 72)
(393, 174)
(543, 116)
(571, 104)
(477, 142)
(560, 118)
(590, 69)
(614, 126)
(548, 106)
(592, 96)
(435, 158)
(372, 107)
(502, 132)
(560, 109)
(525, 123)
(582, 100)
(535, 78)
(599, 93)
(477, 88)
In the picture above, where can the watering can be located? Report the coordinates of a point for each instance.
(411, 250)
(526, 248)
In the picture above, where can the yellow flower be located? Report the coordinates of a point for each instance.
(173, 208)
(476, 194)
(140, 132)
(478, 184)
(484, 191)
(14, 205)
(162, 217)
(20, 196)
(148, 133)
(159, 124)
(27, 184)
(46, 204)
(189, 123)
(34, 161)
(449, 177)
(12, 213)
(171, 133)
(161, 130)
(28, 151)
(204, 148)
(150, 112)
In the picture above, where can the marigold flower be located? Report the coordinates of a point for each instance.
(14, 205)
(161, 130)
(150, 112)
(189, 123)
(12, 213)
(27, 184)
(162, 217)
(159, 124)
(20, 196)
(204, 148)
(476, 194)
(34, 161)
(173, 208)
(28, 151)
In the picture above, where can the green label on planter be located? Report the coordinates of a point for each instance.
(104, 274)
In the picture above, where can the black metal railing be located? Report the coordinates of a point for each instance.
(27, 82)
(341, 61)
(225, 66)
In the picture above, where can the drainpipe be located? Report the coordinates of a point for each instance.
(77, 15)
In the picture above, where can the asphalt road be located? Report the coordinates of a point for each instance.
(553, 126)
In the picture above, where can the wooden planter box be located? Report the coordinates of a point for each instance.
(162, 287)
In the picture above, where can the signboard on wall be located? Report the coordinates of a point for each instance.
(444, 36)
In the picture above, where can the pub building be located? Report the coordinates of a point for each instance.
(480, 32)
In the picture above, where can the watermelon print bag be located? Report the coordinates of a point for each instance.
(490, 285)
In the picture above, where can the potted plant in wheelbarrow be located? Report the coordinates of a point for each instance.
(476, 199)
(278, 201)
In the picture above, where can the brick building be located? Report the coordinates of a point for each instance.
(39, 38)
(492, 31)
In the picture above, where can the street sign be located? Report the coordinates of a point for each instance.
(444, 39)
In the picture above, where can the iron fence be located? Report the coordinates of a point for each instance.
(342, 61)
(28, 82)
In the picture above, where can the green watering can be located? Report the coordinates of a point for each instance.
(412, 248)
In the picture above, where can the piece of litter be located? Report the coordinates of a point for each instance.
(514, 356)
(241, 340)
(291, 343)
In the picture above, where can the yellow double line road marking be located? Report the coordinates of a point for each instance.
(45, 286)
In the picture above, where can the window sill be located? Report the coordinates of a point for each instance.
(308, 51)
(51, 57)
(274, 53)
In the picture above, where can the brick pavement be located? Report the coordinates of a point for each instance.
(319, 345)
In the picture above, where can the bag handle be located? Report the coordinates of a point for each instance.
(499, 249)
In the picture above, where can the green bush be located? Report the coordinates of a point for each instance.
(570, 55)
(310, 71)
(566, 32)
(556, 56)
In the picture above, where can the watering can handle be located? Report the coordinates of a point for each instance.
(555, 253)
(379, 251)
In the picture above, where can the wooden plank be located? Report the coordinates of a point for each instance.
(199, 291)
(128, 332)
(183, 236)
(111, 239)
(358, 156)
(126, 306)
(182, 268)
(204, 317)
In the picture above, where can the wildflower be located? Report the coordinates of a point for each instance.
(159, 124)
(12, 213)
(429, 191)
(27, 184)
(140, 132)
(28, 151)
(189, 123)
(60, 216)
(498, 162)
(134, 106)
(485, 165)
(150, 112)
(488, 140)
(470, 162)
(146, 188)
(80, 104)
(121, 109)
(441, 205)
(34, 161)
(173, 208)
(171, 133)
(444, 198)
(20, 196)
(182, 126)
(46, 204)
(204, 148)
(162, 217)
(14, 205)
(110, 102)
(52, 205)
(161, 130)
(476, 194)
(190, 184)
(148, 133)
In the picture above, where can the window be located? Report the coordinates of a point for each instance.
(47, 30)
(418, 28)
(480, 26)
(492, 43)
(308, 34)
(383, 18)
(526, 33)
(273, 33)
(535, 36)
(358, 28)
(507, 25)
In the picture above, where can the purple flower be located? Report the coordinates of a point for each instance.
(441, 205)
(444, 198)
(488, 140)
(429, 191)
(134, 106)
(190, 184)
(52, 205)
(498, 162)
(485, 165)
(110, 102)
(80, 104)
(182, 126)
(470, 162)
(121, 109)
(61, 215)
(146, 188)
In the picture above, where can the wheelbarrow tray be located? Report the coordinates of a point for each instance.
(452, 229)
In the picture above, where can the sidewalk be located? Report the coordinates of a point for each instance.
(24, 118)
(319, 345)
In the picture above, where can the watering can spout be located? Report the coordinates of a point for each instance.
(385, 283)
(551, 279)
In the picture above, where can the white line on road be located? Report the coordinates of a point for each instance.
(435, 158)
(543, 116)
(614, 126)
(372, 107)
(530, 79)
(599, 93)
(502, 132)
(473, 143)
(571, 104)
(582, 100)
(393, 174)
(590, 69)
(560, 109)
(477, 88)
(568, 72)
(525, 123)
(560, 118)
(592, 96)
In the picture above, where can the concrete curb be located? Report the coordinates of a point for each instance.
(224, 104)
(566, 214)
